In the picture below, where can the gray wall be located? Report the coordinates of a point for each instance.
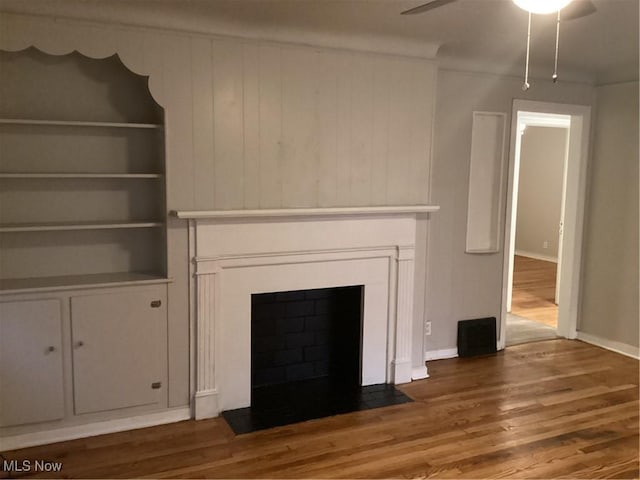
(460, 285)
(609, 299)
(542, 156)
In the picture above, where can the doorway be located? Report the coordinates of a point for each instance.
(538, 199)
(544, 260)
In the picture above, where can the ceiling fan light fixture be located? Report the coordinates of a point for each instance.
(542, 6)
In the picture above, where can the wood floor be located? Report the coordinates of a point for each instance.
(534, 290)
(550, 409)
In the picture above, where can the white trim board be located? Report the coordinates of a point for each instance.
(536, 256)
(305, 212)
(419, 373)
(440, 354)
(575, 197)
(614, 346)
(92, 429)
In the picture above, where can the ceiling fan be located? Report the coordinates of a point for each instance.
(575, 9)
(571, 9)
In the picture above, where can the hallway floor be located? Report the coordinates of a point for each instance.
(534, 288)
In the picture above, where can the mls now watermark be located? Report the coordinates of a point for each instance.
(30, 466)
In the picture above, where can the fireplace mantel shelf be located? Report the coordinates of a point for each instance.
(304, 212)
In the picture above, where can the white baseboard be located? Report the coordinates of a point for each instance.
(536, 256)
(206, 404)
(618, 347)
(93, 429)
(419, 373)
(401, 370)
(440, 354)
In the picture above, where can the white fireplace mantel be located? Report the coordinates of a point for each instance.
(235, 254)
(305, 212)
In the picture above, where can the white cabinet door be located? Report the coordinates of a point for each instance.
(31, 379)
(119, 349)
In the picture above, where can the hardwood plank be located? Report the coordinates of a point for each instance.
(534, 290)
(551, 409)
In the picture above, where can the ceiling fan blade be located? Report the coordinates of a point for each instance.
(578, 9)
(426, 7)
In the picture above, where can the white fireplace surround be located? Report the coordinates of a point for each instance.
(237, 253)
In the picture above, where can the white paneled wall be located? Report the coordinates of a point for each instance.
(302, 127)
(255, 124)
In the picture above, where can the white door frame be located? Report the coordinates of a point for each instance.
(535, 119)
(561, 226)
(576, 170)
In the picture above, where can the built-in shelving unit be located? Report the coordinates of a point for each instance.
(82, 185)
(83, 250)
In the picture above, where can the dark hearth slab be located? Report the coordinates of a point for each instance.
(295, 402)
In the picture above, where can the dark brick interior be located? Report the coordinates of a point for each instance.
(306, 334)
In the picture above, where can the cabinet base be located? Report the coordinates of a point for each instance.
(92, 429)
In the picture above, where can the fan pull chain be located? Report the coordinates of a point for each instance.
(555, 68)
(526, 85)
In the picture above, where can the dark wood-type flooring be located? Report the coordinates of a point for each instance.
(550, 409)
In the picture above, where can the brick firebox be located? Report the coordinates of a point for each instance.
(306, 334)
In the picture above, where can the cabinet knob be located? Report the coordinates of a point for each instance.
(79, 344)
(156, 303)
(51, 349)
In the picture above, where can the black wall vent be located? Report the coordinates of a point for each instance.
(476, 337)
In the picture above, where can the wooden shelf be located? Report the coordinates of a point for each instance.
(81, 175)
(50, 227)
(69, 282)
(70, 123)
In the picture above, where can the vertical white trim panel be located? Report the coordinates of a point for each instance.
(327, 128)
(227, 124)
(380, 131)
(402, 369)
(270, 118)
(361, 127)
(400, 127)
(202, 104)
(423, 88)
(251, 119)
(485, 182)
(343, 159)
(206, 402)
(179, 119)
(299, 79)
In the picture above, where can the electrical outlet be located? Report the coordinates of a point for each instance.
(427, 328)
(545, 244)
